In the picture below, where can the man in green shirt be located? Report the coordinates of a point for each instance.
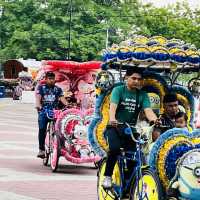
(126, 103)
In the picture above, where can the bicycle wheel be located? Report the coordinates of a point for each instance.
(47, 148)
(147, 187)
(55, 152)
(116, 179)
(46, 159)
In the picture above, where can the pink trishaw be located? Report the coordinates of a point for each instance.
(67, 133)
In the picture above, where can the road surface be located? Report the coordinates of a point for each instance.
(22, 175)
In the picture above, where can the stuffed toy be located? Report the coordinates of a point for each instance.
(186, 182)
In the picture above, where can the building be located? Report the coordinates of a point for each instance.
(11, 68)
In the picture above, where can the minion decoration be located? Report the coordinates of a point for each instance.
(155, 102)
(175, 156)
(105, 80)
(186, 182)
(194, 86)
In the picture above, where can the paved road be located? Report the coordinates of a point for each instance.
(22, 175)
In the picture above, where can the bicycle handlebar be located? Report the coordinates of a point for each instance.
(48, 111)
(128, 130)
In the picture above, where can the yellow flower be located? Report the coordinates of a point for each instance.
(162, 154)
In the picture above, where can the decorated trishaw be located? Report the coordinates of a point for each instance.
(67, 132)
(175, 155)
(25, 83)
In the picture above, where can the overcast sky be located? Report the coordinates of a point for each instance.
(160, 3)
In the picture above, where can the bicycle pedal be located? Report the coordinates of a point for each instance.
(109, 189)
(113, 193)
(125, 196)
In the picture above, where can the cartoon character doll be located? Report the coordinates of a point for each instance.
(85, 94)
(186, 183)
(80, 141)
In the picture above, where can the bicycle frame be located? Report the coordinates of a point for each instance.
(136, 171)
(137, 181)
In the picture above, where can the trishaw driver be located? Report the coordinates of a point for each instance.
(126, 102)
(47, 95)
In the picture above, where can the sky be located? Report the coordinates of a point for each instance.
(161, 3)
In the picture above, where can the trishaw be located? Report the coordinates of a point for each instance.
(25, 83)
(175, 156)
(67, 130)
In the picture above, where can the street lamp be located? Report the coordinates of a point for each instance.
(107, 31)
(107, 37)
(69, 35)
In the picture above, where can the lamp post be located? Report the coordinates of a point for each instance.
(1, 40)
(107, 37)
(69, 35)
(104, 21)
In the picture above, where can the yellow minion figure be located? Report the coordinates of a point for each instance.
(186, 183)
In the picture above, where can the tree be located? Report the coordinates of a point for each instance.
(40, 28)
(173, 22)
